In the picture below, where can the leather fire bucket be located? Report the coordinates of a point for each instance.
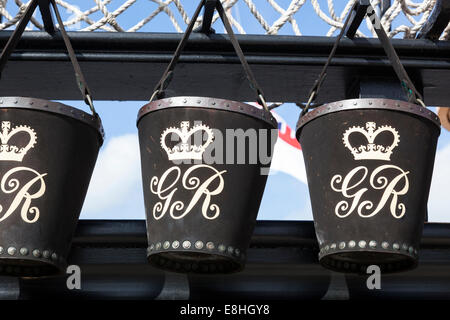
(47, 155)
(201, 212)
(369, 165)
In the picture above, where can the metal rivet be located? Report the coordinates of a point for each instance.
(166, 245)
(230, 250)
(411, 250)
(221, 248)
(31, 103)
(210, 245)
(327, 247)
(227, 105)
(37, 253)
(213, 103)
(333, 246)
(46, 254)
(12, 251)
(175, 244)
(351, 244)
(152, 246)
(1, 250)
(186, 244)
(396, 246)
(54, 256)
(372, 244)
(1, 101)
(199, 245)
(342, 245)
(370, 102)
(237, 251)
(15, 101)
(23, 251)
(199, 101)
(362, 244)
(385, 245)
(158, 246)
(184, 100)
(405, 247)
(355, 103)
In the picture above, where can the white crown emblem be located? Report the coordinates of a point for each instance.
(12, 152)
(371, 151)
(185, 150)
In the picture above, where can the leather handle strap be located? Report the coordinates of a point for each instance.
(168, 73)
(15, 37)
(411, 92)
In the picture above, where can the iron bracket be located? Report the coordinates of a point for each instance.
(357, 15)
(437, 22)
(209, 8)
(47, 17)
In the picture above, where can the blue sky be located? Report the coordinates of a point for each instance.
(116, 189)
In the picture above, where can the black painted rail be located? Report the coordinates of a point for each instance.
(126, 66)
(282, 264)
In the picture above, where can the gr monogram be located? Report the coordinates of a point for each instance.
(390, 179)
(165, 188)
(26, 183)
(392, 189)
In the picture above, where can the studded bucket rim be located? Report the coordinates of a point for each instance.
(37, 262)
(334, 261)
(367, 103)
(209, 103)
(161, 254)
(53, 107)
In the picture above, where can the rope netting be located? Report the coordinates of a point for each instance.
(403, 18)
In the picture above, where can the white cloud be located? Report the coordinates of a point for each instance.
(116, 179)
(439, 200)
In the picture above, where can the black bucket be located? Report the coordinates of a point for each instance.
(47, 155)
(369, 164)
(201, 213)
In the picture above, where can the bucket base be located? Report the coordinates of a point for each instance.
(27, 268)
(194, 262)
(359, 261)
